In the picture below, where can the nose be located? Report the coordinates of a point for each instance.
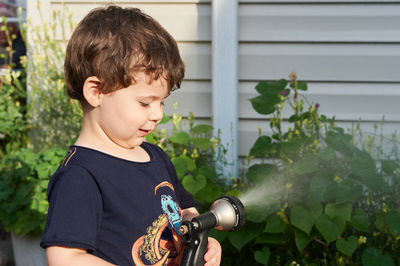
(156, 114)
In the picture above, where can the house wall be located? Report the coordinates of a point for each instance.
(348, 51)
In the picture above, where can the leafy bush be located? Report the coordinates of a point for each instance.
(24, 178)
(13, 107)
(13, 125)
(313, 195)
(49, 118)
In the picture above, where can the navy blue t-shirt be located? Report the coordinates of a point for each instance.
(127, 213)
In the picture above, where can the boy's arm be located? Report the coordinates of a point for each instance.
(213, 254)
(65, 256)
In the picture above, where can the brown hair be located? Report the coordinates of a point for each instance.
(113, 44)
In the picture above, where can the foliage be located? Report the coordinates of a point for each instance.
(49, 118)
(24, 179)
(13, 126)
(54, 117)
(321, 198)
(193, 151)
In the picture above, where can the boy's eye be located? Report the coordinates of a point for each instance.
(144, 104)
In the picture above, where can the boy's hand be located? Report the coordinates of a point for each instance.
(213, 254)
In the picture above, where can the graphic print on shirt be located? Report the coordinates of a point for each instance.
(152, 248)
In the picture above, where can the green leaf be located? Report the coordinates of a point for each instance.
(339, 141)
(307, 164)
(202, 129)
(322, 187)
(202, 143)
(258, 214)
(359, 220)
(244, 235)
(315, 209)
(327, 154)
(381, 223)
(261, 146)
(389, 166)
(275, 225)
(165, 119)
(277, 239)
(258, 173)
(262, 256)
(274, 87)
(371, 257)
(364, 166)
(393, 221)
(194, 184)
(218, 235)
(330, 228)
(208, 172)
(180, 137)
(290, 148)
(190, 164)
(347, 191)
(209, 193)
(265, 103)
(301, 239)
(348, 246)
(150, 138)
(180, 165)
(342, 210)
(301, 218)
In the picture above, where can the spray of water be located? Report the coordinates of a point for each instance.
(260, 194)
(270, 191)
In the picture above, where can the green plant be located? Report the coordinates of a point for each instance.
(13, 125)
(54, 117)
(321, 197)
(49, 119)
(191, 148)
(13, 107)
(24, 179)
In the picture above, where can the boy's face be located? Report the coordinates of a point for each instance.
(127, 115)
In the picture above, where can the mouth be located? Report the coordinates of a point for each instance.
(144, 132)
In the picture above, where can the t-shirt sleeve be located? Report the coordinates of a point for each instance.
(75, 209)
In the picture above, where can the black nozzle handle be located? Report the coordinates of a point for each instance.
(195, 246)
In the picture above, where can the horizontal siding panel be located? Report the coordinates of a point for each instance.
(319, 23)
(318, 1)
(320, 62)
(119, 2)
(193, 96)
(197, 58)
(186, 22)
(248, 131)
(369, 102)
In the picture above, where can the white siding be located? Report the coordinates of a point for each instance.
(347, 51)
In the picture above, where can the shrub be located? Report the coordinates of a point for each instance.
(24, 179)
(313, 196)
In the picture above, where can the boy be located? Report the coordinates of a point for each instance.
(116, 200)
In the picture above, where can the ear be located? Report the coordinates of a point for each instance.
(91, 91)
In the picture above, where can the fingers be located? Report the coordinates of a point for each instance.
(213, 254)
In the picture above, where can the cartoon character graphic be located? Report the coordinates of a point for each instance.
(152, 248)
(170, 208)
